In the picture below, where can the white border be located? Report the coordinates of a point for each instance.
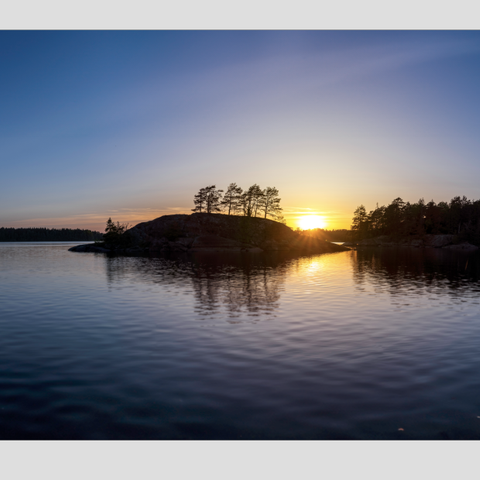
(239, 460)
(248, 14)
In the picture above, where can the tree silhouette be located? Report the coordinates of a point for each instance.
(114, 233)
(231, 198)
(360, 222)
(394, 216)
(207, 199)
(270, 203)
(250, 203)
(250, 200)
(257, 194)
(460, 217)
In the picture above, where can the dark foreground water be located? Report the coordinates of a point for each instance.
(354, 345)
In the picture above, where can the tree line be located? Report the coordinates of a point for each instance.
(48, 235)
(252, 202)
(459, 217)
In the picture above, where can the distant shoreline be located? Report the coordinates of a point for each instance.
(45, 241)
(40, 234)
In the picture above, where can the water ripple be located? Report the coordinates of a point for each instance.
(352, 345)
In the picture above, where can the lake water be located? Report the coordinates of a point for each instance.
(366, 344)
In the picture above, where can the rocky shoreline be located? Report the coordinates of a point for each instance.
(202, 232)
(447, 242)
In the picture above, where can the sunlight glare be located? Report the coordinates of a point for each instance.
(308, 222)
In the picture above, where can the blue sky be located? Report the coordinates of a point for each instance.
(130, 125)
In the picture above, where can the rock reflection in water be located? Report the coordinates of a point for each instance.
(232, 283)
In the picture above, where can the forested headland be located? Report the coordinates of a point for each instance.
(460, 217)
(48, 235)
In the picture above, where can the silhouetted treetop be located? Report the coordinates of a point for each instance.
(252, 202)
(207, 200)
(270, 203)
(231, 199)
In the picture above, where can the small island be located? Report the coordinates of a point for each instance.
(208, 232)
(240, 229)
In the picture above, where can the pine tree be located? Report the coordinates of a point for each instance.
(207, 198)
(199, 201)
(250, 200)
(360, 222)
(231, 198)
(270, 203)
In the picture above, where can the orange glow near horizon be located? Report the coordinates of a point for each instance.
(97, 220)
(308, 222)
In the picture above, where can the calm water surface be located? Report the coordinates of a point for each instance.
(352, 345)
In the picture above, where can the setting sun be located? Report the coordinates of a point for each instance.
(308, 222)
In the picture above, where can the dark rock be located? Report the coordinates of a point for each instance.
(438, 241)
(217, 243)
(217, 232)
(89, 248)
(462, 247)
(416, 243)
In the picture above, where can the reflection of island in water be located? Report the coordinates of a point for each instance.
(234, 286)
(229, 283)
(417, 271)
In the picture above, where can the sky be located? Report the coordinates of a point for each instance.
(131, 124)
